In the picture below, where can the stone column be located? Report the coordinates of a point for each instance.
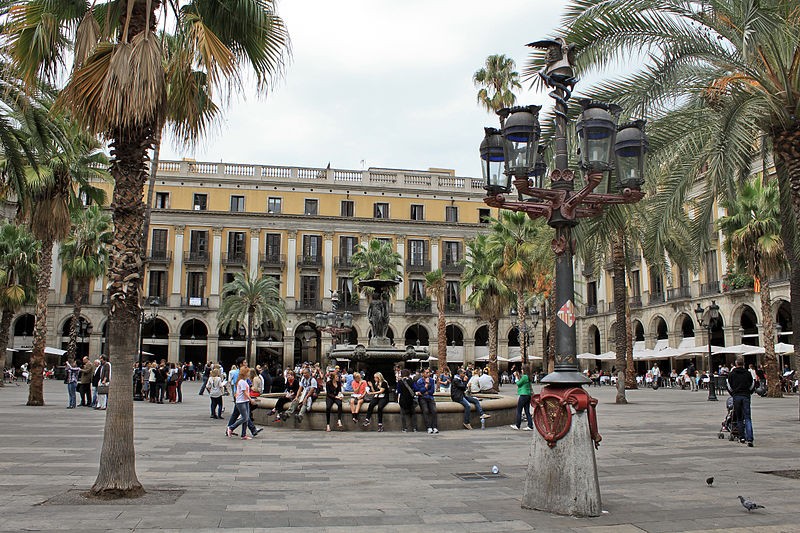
(212, 348)
(327, 265)
(255, 250)
(469, 351)
(401, 249)
(174, 347)
(291, 263)
(216, 267)
(177, 267)
(288, 351)
(434, 252)
(55, 272)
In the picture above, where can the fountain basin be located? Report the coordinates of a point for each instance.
(501, 407)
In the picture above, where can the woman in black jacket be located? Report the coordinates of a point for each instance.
(333, 396)
(380, 397)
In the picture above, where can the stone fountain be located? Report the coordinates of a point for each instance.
(379, 355)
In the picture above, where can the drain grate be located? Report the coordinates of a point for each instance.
(791, 474)
(479, 476)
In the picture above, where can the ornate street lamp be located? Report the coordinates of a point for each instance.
(562, 206)
(84, 330)
(144, 318)
(707, 318)
(492, 157)
(332, 322)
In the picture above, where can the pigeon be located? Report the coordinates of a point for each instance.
(749, 505)
(710, 481)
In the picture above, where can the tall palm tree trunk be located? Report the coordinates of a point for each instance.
(493, 351)
(770, 360)
(36, 392)
(620, 300)
(523, 348)
(5, 331)
(80, 290)
(630, 368)
(249, 350)
(441, 334)
(117, 474)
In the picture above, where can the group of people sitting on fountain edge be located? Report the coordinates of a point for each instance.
(411, 390)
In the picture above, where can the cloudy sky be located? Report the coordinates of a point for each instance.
(380, 83)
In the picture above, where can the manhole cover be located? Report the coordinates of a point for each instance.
(791, 474)
(479, 476)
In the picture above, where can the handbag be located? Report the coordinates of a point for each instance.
(102, 388)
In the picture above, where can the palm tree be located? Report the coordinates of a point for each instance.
(51, 191)
(376, 260)
(84, 257)
(753, 242)
(436, 285)
(123, 85)
(519, 242)
(489, 297)
(251, 301)
(19, 253)
(496, 81)
(718, 74)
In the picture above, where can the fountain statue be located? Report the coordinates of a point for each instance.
(379, 354)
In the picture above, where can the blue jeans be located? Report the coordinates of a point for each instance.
(216, 407)
(243, 413)
(71, 387)
(741, 413)
(466, 401)
(524, 403)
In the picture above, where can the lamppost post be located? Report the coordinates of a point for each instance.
(513, 152)
(707, 318)
(144, 318)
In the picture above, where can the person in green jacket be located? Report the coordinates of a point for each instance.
(524, 400)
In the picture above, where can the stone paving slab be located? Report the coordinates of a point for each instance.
(654, 458)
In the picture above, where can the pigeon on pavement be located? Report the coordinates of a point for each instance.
(749, 505)
(710, 481)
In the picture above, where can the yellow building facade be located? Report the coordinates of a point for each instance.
(301, 225)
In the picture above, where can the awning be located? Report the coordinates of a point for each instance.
(485, 358)
(54, 351)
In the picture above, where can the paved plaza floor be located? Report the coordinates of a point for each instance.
(655, 456)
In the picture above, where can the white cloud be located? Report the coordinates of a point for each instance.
(384, 81)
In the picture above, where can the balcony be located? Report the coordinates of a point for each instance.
(712, 287)
(196, 257)
(162, 257)
(450, 266)
(308, 305)
(635, 302)
(194, 302)
(234, 259)
(453, 309)
(590, 310)
(344, 262)
(679, 293)
(273, 261)
(418, 265)
(656, 298)
(419, 307)
(309, 261)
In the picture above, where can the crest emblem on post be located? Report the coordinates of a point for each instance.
(567, 313)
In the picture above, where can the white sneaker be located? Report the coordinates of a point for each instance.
(526, 428)
(484, 415)
(435, 430)
(514, 426)
(430, 430)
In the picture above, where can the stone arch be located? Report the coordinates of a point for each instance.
(23, 325)
(659, 325)
(513, 337)
(748, 325)
(637, 329)
(194, 328)
(593, 339)
(307, 343)
(455, 335)
(158, 328)
(783, 319)
(66, 324)
(685, 324)
(482, 336)
(417, 333)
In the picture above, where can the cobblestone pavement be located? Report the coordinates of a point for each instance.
(653, 462)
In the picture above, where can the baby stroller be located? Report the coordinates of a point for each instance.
(729, 424)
